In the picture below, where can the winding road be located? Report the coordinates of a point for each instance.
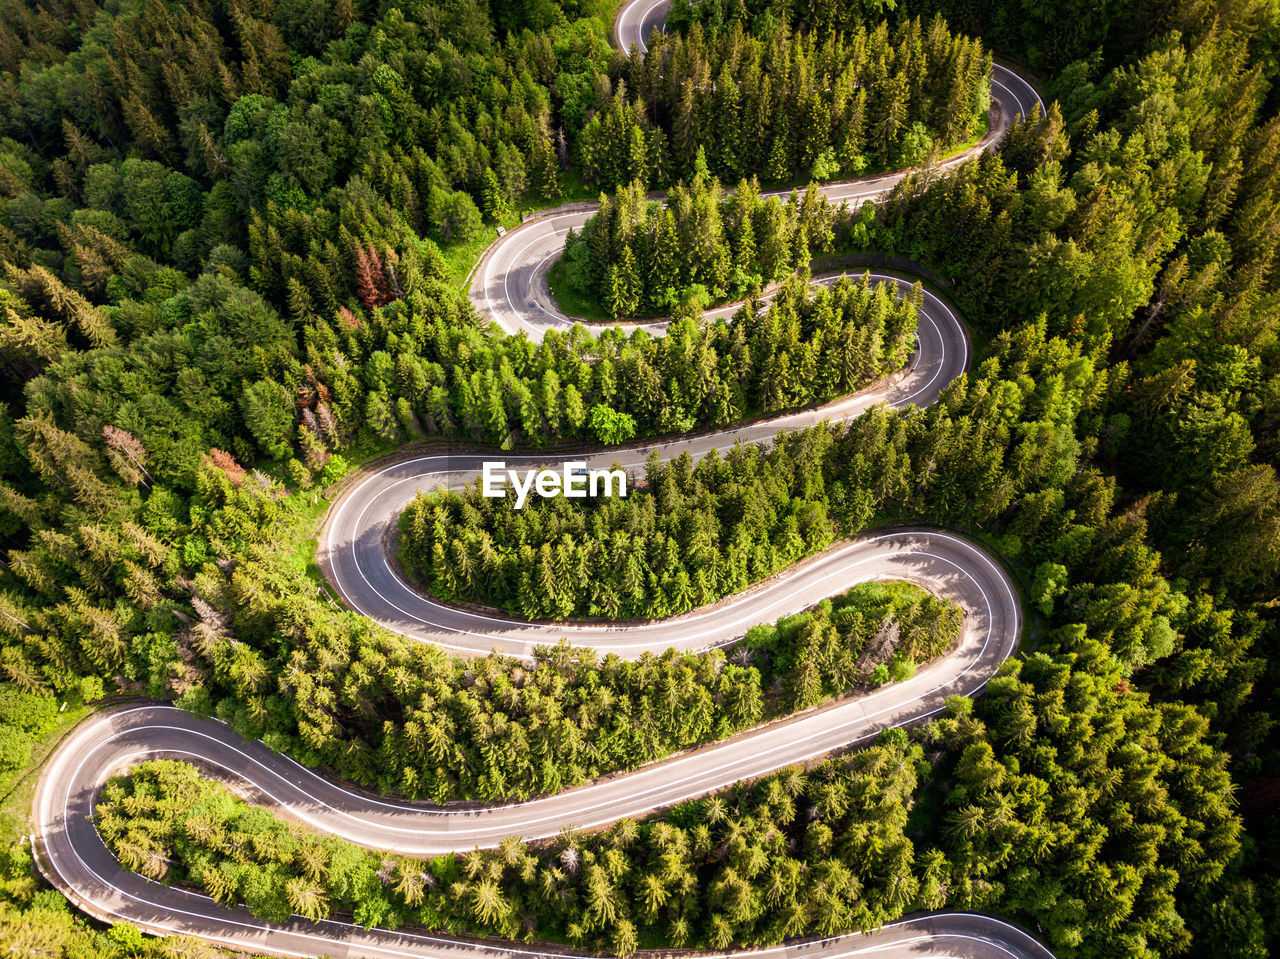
(353, 544)
(510, 287)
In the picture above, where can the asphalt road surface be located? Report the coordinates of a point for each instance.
(510, 288)
(353, 549)
(510, 285)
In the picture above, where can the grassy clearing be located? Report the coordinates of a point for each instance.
(24, 728)
(572, 303)
(460, 259)
(980, 131)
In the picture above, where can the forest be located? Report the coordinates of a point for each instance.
(787, 107)
(698, 248)
(233, 236)
(694, 534)
(850, 844)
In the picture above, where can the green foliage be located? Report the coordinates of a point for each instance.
(609, 426)
(1025, 776)
(1050, 582)
(916, 147)
(784, 106)
(224, 267)
(268, 415)
(847, 845)
(638, 257)
(49, 928)
(24, 718)
(128, 937)
(696, 533)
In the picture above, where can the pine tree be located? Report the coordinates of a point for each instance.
(371, 278)
(66, 461)
(497, 205)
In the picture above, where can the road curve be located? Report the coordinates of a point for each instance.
(73, 856)
(353, 544)
(510, 288)
(510, 285)
(946, 564)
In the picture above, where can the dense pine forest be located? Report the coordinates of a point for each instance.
(816, 105)
(233, 236)
(698, 247)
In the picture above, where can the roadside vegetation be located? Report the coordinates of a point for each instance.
(231, 271)
(30, 725)
(958, 813)
(36, 921)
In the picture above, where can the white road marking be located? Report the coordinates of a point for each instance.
(260, 936)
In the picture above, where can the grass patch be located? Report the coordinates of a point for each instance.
(892, 593)
(572, 303)
(460, 259)
(980, 131)
(573, 190)
(37, 729)
(306, 509)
